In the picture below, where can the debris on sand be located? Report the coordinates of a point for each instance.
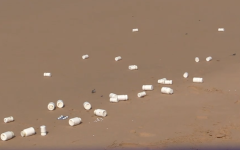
(135, 30)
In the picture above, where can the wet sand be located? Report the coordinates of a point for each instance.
(51, 36)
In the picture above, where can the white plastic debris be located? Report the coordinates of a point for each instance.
(135, 30)
(142, 94)
(28, 132)
(118, 58)
(64, 117)
(164, 81)
(197, 59)
(87, 105)
(197, 80)
(51, 106)
(209, 58)
(85, 56)
(8, 119)
(100, 112)
(47, 74)
(60, 117)
(60, 104)
(147, 87)
(111, 95)
(185, 75)
(43, 130)
(221, 29)
(132, 67)
(7, 135)
(114, 99)
(122, 97)
(161, 81)
(166, 90)
(168, 82)
(74, 121)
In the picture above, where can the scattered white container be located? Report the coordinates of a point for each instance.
(197, 80)
(133, 67)
(141, 94)
(43, 130)
(122, 97)
(161, 81)
(135, 30)
(118, 58)
(168, 82)
(8, 119)
(147, 87)
(7, 135)
(51, 106)
(47, 74)
(111, 95)
(85, 56)
(221, 29)
(166, 90)
(28, 132)
(114, 99)
(209, 58)
(74, 121)
(100, 112)
(197, 59)
(60, 104)
(185, 75)
(87, 105)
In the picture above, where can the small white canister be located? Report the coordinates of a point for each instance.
(133, 67)
(162, 81)
(87, 105)
(141, 94)
(47, 74)
(118, 58)
(122, 97)
(51, 106)
(112, 95)
(100, 112)
(209, 58)
(43, 130)
(166, 90)
(28, 132)
(197, 80)
(147, 87)
(60, 104)
(85, 56)
(7, 135)
(8, 119)
(197, 59)
(185, 75)
(74, 121)
(168, 82)
(114, 100)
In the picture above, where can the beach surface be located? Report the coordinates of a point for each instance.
(51, 36)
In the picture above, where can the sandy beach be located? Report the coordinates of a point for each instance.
(51, 36)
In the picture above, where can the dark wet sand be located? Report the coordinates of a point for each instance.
(51, 36)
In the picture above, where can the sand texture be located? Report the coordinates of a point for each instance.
(38, 36)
